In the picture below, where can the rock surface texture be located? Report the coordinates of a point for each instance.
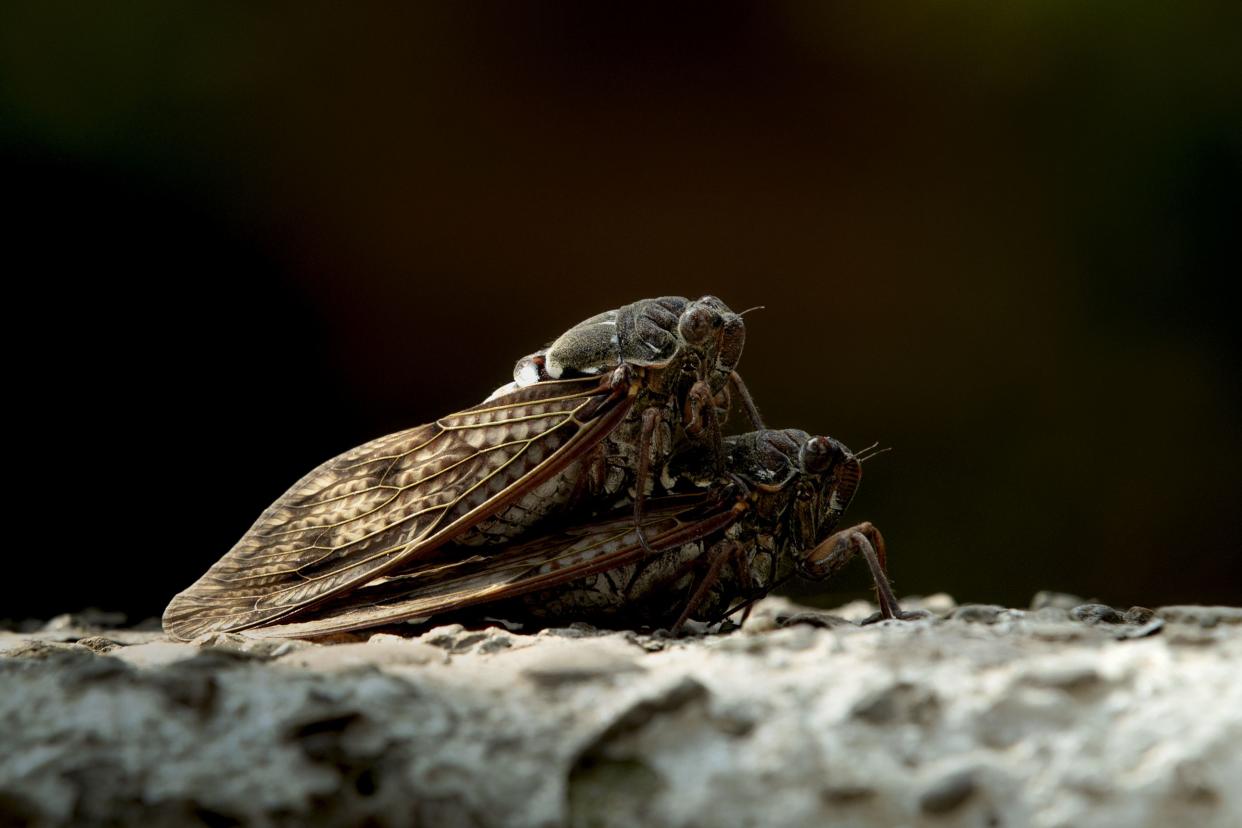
(1061, 715)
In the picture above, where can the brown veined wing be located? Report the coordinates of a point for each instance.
(435, 586)
(385, 503)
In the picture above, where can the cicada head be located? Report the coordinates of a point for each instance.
(723, 348)
(799, 483)
(832, 474)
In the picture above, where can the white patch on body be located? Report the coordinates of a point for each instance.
(527, 373)
(508, 388)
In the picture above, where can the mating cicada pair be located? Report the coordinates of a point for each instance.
(599, 486)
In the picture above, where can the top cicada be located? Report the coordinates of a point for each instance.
(590, 419)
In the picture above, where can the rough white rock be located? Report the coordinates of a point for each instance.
(987, 716)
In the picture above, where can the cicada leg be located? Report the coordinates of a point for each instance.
(701, 422)
(717, 556)
(748, 402)
(839, 548)
(651, 418)
(745, 584)
(593, 478)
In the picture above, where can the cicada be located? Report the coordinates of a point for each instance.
(593, 422)
(721, 549)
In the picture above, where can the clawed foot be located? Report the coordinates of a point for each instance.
(899, 615)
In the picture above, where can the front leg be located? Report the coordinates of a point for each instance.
(839, 549)
(748, 402)
(702, 424)
(651, 419)
(716, 557)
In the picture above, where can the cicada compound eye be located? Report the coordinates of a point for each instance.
(819, 454)
(698, 324)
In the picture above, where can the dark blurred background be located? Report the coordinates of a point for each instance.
(1001, 239)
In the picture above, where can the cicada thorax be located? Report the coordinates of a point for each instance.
(647, 333)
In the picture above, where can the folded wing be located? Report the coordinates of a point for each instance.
(515, 570)
(394, 499)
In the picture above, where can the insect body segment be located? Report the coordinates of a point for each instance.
(650, 332)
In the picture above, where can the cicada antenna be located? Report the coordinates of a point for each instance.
(871, 451)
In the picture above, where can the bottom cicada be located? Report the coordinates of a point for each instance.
(717, 551)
